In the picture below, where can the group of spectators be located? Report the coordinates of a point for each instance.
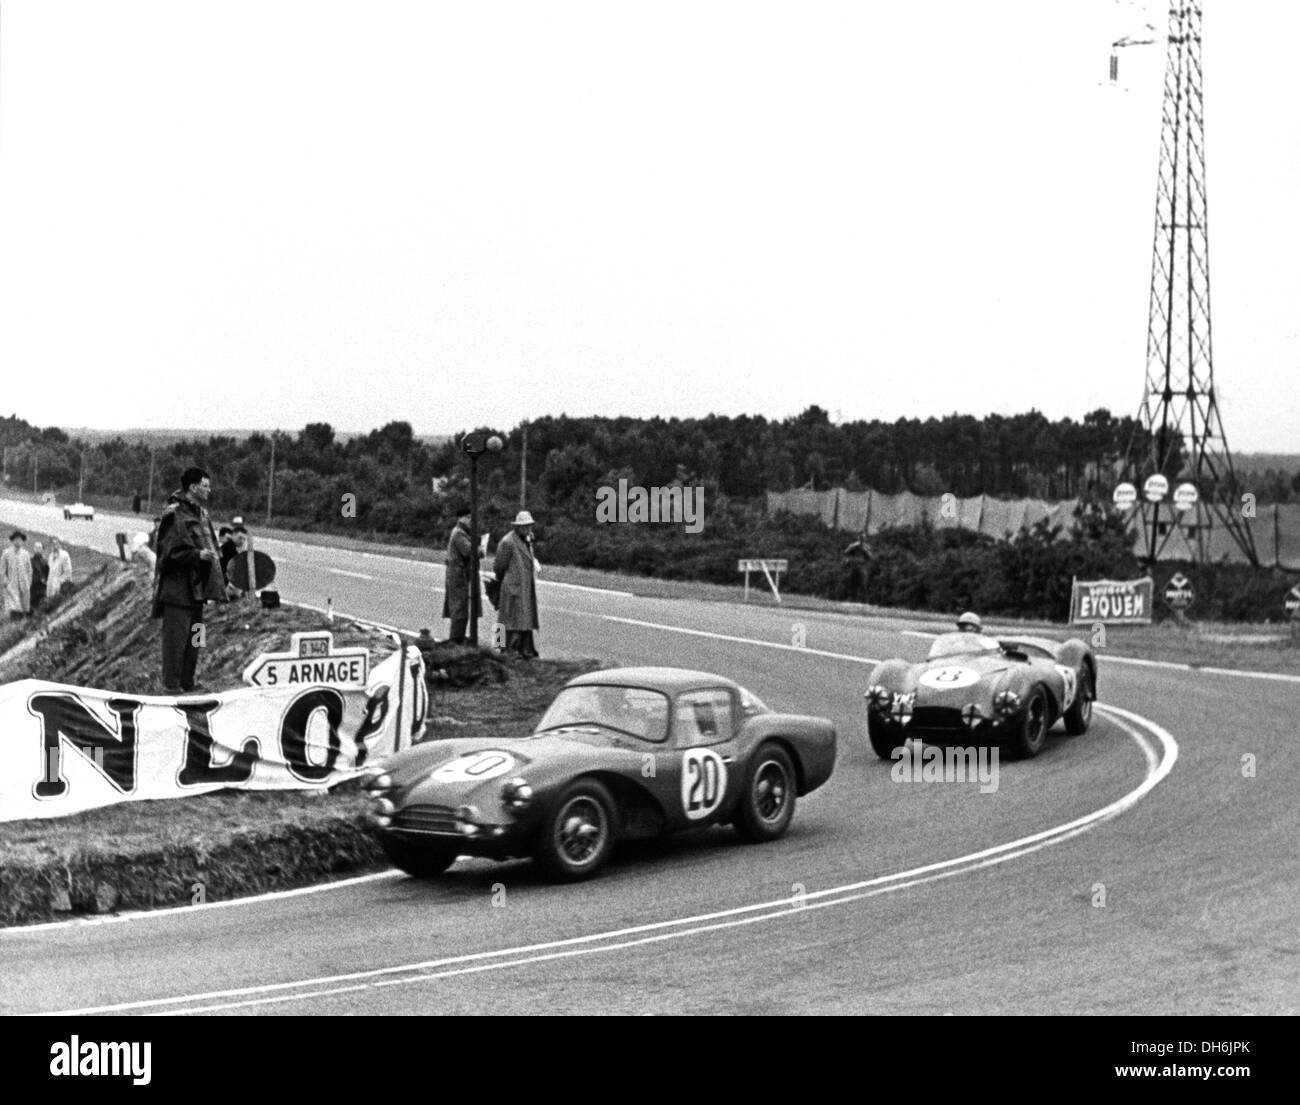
(191, 569)
(515, 571)
(28, 580)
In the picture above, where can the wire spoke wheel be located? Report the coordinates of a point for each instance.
(771, 789)
(581, 829)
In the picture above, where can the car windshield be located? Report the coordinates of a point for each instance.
(636, 711)
(958, 644)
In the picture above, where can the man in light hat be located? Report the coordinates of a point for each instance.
(516, 568)
(16, 576)
(462, 587)
(60, 568)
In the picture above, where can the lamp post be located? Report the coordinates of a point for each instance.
(474, 446)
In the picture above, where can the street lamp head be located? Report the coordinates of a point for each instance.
(477, 443)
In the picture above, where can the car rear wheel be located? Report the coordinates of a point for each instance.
(1031, 733)
(578, 835)
(421, 860)
(767, 803)
(885, 737)
(1079, 716)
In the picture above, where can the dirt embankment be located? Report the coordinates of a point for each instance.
(212, 847)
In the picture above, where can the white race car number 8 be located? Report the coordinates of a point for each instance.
(949, 678)
(474, 767)
(704, 781)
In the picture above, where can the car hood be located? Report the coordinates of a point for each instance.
(957, 680)
(472, 772)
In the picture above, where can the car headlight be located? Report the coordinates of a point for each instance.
(466, 820)
(1006, 703)
(376, 782)
(879, 696)
(516, 794)
(385, 807)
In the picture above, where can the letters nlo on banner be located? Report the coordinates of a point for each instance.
(66, 749)
(1113, 602)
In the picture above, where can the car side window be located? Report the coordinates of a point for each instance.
(702, 717)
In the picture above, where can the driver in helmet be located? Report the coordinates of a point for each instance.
(970, 622)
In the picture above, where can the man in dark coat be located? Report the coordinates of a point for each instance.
(135, 502)
(463, 588)
(226, 543)
(40, 573)
(187, 575)
(516, 568)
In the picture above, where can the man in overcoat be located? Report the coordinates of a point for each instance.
(463, 589)
(516, 568)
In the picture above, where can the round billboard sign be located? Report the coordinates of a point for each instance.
(1185, 496)
(1156, 488)
(1124, 495)
(1291, 604)
(1178, 592)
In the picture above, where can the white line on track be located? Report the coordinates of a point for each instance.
(1157, 769)
(740, 640)
(150, 914)
(345, 572)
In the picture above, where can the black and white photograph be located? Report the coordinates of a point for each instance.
(600, 509)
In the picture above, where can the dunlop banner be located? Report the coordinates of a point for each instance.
(1112, 602)
(66, 749)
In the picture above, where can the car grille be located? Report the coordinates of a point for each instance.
(936, 718)
(425, 819)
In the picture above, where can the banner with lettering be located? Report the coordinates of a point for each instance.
(65, 749)
(1111, 602)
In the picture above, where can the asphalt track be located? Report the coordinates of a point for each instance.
(1137, 869)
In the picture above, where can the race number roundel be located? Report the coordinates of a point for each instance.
(949, 678)
(474, 767)
(704, 781)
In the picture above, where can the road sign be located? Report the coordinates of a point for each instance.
(312, 659)
(1185, 496)
(1155, 489)
(1178, 592)
(1124, 495)
(771, 569)
(1291, 604)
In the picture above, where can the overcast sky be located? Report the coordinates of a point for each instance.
(255, 214)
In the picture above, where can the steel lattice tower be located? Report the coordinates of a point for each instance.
(1180, 411)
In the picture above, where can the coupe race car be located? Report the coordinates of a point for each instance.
(975, 687)
(78, 510)
(630, 753)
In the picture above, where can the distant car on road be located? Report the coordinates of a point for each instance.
(620, 754)
(1009, 692)
(78, 510)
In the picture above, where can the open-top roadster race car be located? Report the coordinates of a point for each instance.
(974, 687)
(627, 753)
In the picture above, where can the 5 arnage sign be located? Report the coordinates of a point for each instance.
(65, 749)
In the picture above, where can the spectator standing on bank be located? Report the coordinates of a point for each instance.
(463, 590)
(188, 574)
(16, 576)
(40, 574)
(516, 568)
(135, 502)
(60, 568)
(153, 533)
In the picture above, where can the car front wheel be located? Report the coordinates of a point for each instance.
(578, 835)
(1031, 733)
(885, 736)
(767, 804)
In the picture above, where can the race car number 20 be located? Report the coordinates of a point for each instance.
(704, 781)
